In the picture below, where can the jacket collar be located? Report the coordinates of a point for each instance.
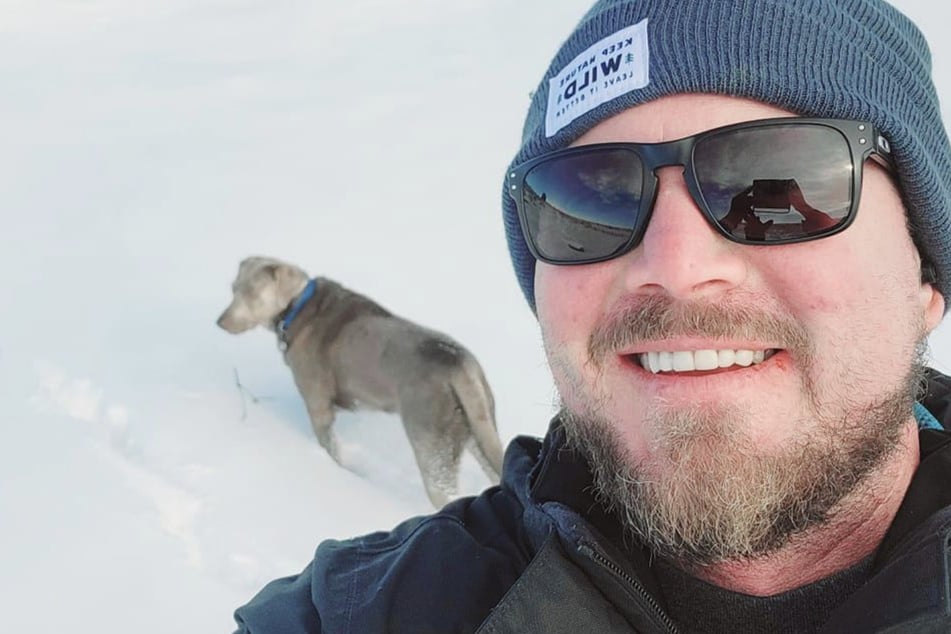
(927, 494)
(564, 476)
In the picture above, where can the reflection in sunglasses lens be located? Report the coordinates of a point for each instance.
(583, 206)
(776, 183)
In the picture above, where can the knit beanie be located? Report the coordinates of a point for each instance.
(849, 59)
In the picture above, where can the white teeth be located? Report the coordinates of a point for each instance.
(725, 358)
(744, 358)
(705, 360)
(683, 361)
(689, 360)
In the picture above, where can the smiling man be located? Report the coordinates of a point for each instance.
(745, 407)
(731, 218)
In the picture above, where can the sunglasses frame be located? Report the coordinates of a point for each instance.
(863, 138)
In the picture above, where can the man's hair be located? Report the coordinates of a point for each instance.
(850, 59)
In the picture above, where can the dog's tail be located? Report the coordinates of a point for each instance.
(472, 391)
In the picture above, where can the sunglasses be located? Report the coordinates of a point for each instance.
(773, 181)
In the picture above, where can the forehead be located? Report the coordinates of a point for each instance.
(677, 116)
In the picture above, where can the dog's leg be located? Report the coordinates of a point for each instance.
(437, 431)
(438, 466)
(317, 388)
(321, 419)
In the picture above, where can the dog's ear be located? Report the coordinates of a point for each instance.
(290, 280)
(270, 269)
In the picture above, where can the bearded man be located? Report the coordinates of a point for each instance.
(731, 218)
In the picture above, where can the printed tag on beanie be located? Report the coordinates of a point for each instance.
(613, 66)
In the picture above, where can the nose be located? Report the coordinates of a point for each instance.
(681, 254)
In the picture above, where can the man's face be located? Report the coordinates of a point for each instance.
(838, 320)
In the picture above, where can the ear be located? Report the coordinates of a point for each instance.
(932, 302)
(270, 269)
(289, 280)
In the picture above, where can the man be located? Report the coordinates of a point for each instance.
(732, 220)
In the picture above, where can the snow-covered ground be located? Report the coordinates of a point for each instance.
(147, 146)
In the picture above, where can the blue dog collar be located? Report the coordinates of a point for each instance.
(285, 323)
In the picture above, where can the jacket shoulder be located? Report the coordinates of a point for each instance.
(437, 573)
(463, 558)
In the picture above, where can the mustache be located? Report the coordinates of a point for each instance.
(660, 317)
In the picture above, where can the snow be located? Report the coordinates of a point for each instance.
(147, 147)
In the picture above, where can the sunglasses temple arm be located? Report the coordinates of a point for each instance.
(883, 161)
(882, 153)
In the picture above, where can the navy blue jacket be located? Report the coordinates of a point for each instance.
(537, 554)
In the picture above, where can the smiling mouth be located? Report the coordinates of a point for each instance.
(700, 360)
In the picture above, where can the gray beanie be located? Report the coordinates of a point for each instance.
(849, 59)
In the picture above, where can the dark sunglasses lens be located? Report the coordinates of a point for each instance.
(582, 206)
(776, 183)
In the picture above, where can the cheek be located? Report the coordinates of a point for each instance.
(857, 299)
(815, 291)
(569, 301)
(868, 272)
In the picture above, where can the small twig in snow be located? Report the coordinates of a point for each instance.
(242, 390)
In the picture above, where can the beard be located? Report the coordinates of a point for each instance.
(707, 494)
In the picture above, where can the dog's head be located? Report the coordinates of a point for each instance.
(263, 289)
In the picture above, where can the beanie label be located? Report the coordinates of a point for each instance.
(607, 69)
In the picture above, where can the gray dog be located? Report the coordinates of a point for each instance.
(347, 351)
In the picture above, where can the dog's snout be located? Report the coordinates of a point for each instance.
(235, 321)
(224, 322)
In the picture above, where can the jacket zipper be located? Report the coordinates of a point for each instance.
(604, 562)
